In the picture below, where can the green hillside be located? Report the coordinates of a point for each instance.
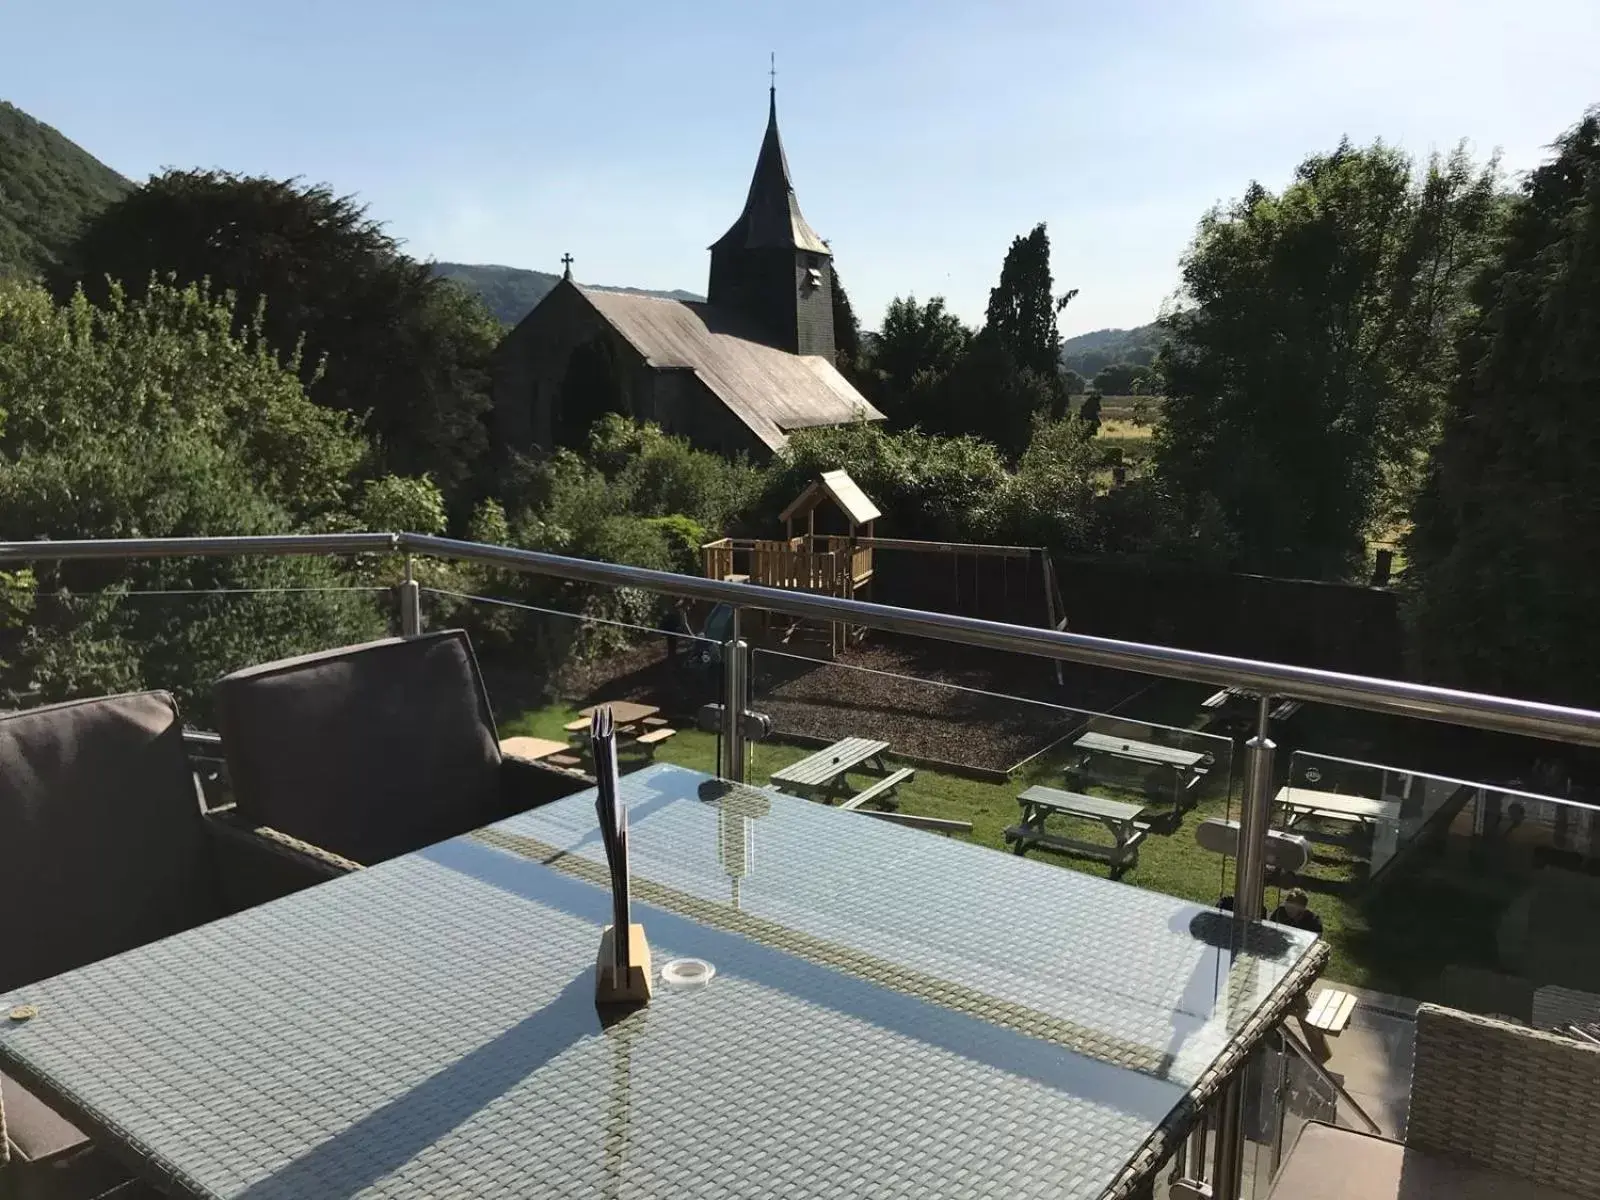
(511, 292)
(1089, 352)
(48, 185)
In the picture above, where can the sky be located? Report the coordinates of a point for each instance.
(923, 135)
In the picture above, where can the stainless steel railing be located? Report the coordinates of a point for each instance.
(1499, 713)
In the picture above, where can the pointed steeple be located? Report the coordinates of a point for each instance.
(771, 267)
(771, 218)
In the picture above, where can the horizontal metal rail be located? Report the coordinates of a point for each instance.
(287, 544)
(1498, 713)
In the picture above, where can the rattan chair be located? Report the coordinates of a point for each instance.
(1511, 1099)
(376, 750)
(104, 847)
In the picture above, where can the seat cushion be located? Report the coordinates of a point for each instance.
(36, 1131)
(369, 751)
(50, 1157)
(102, 846)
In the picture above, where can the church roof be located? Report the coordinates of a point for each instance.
(771, 216)
(772, 391)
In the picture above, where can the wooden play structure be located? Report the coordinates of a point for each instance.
(841, 563)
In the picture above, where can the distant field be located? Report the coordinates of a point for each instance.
(1121, 427)
(1128, 418)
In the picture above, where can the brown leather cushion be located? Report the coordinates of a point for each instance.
(102, 845)
(51, 1158)
(34, 1129)
(369, 751)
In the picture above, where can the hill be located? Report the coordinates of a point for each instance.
(1089, 352)
(511, 292)
(48, 186)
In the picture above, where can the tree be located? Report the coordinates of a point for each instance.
(846, 332)
(1501, 557)
(374, 332)
(1118, 379)
(1012, 370)
(1073, 383)
(989, 396)
(917, 347)
(1050, 498)
(1308, 362)
(1089, 411)
(152, 418)
(1023, 307)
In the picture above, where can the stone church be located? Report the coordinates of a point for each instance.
(739, 372)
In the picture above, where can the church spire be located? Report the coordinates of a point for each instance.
(771, 218)
(771, 268)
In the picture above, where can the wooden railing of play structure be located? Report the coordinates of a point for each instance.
(829, 565)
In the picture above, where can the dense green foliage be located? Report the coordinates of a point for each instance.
(846, 333)
(376, 333)
(633, 496)
(153, 418)
(1507, 528)
(953, 488)
(1308, 363)
(927, 370)
(1121, 379)
(917, 347)
(48, 188)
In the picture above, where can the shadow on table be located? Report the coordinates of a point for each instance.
(386, 1139)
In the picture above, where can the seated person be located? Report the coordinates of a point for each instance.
(1294, 911)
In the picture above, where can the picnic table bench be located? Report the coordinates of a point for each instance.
(1040, 803)
(1281, 711)
(824, 776)
(638, 725)
(1188, 766)
(1330, 1011)
(1376, 822)
(534, 748)
(1302, 803)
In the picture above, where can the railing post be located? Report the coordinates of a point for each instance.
(1227, 1172)
(410, 604)
(735, 701)
(1255, 818)
(1249, 880)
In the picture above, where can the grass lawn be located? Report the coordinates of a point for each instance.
(1422, 926)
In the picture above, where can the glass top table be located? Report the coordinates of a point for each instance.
(892, 1014)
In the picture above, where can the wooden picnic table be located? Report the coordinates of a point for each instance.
(1281, 711)
(1302, 803)
(1188, 767)
(532, 747)
(823, 775)
(1377, 822)
(1039, 803)
(624, 712)
(1142, 752)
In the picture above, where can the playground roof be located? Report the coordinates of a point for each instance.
(843, 491)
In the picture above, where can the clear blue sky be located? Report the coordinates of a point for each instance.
(923, 134)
